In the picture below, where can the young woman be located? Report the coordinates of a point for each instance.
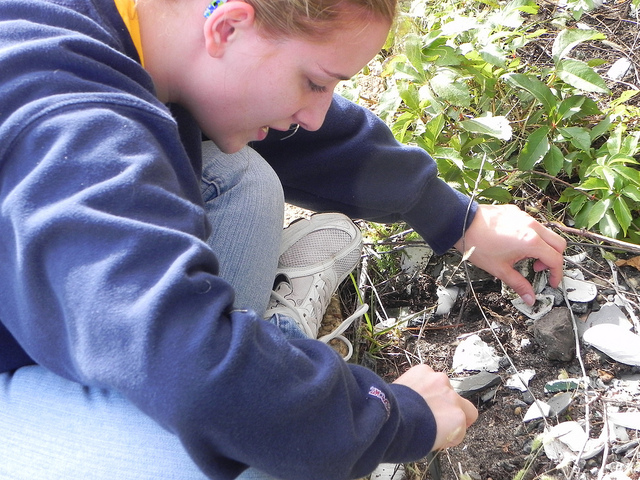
(137, 262)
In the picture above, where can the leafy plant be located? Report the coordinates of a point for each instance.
(610, 190)
(459, 87)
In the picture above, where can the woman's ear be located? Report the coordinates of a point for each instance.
(224, 22)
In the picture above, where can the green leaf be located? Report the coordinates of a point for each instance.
(597, 212)
(535, 87)
(413, 51)
(509, 16)
(432, 131)
(582, 216)
(497, 127)
(577, 203)
(428, 98)
(443, 56)
(623, 214)
(632, 192)
(569, 38)
(526, 6)
(409, 95)
(570, 106)
(579, 75)
(601, 128)
(450, 87)
(450, 154)
(494, 55)
(629, 173)
(553, 160)
(408, 72)
(535, 149)
(569, 194)
(620, 158)
(401, 125)
(460, 25)
(624, 96)
(609, 225)
(578, 136)
(596, 62)
(498, 194)
(630, 144)
(590, 108)
(593, 183)
(388, 104)
(610, 176)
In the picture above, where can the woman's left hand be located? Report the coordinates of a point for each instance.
(503, 235)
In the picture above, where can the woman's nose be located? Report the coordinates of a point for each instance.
(312, 116)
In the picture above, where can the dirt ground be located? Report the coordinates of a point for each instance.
(498, 445)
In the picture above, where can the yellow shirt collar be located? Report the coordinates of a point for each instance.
(129, 14)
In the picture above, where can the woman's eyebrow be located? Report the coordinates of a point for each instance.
(337, 76)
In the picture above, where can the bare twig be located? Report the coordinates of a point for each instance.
(626, 246)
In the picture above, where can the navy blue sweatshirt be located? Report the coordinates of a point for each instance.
(106, 278)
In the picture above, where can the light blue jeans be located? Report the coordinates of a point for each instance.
(54, 429)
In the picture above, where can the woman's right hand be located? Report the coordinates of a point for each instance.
(453, 414)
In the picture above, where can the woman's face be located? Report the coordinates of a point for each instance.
(259, 84)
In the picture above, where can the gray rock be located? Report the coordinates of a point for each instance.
(559, 403)
(528, 397)
(469, 386)
(579, 308)
(621, 449)
(489, 395)
(554, 333)
(556, 293)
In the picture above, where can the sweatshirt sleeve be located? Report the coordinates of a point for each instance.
(106, 279)
(354, 164)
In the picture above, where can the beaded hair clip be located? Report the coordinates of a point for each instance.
(212, 6)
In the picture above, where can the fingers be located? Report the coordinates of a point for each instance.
(453, 414)
(470, 411)
(519, 284)
(458, 433)
(530, 240)
(453, 420)
(550, 256)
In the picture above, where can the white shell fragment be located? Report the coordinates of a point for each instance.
(537, 410)
(563, 442)
(617, 475)
(520, 380)
(579, 290)
(576, 259)
(473, 354)
(543, 305)
(415, 258)
(574, 273)
(446, 299)
(615, 341)
(626, 419)
(608, 313)
(619, 69)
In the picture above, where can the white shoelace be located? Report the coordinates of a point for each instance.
(335, 334)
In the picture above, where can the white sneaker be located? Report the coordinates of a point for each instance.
(316, 255)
